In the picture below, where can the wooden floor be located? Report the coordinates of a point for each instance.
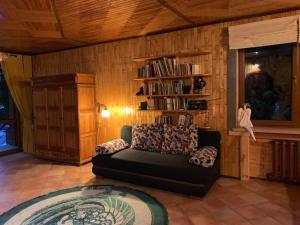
(230, 201)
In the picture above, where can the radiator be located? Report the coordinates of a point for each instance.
(286, 161)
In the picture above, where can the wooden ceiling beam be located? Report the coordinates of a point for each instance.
(174, 10)
(60, 28)
(59, 24)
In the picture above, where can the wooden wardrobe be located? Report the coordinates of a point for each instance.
(64, 114)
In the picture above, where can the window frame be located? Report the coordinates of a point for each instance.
(295, 120)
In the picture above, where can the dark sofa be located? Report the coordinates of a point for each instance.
(161, 170)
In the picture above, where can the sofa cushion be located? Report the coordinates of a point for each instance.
(205, 137)
(180, 139)
(111, 146)
(163, 165)
(147, 137)
(205, 156)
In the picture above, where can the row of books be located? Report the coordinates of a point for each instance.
(163, 119)
(164, 66)
(167, 88)
(170, 103)
(185, 120)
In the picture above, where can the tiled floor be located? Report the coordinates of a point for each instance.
(229, 202)
(4, 148)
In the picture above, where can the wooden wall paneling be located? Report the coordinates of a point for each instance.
(261, 158)
(115, 72)
(112, 63)
(230, 156)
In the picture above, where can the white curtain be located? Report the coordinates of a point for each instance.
(263, 33)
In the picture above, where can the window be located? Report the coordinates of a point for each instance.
(266, 82)
(9, 122)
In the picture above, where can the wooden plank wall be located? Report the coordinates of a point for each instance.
(112, 63)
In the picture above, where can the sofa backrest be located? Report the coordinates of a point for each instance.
(205, 137)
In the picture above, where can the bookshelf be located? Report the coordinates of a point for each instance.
(178, 95)
(173, 77)
(178, 54)
(175, 111)
(171, 86)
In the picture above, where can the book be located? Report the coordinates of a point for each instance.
(185, 120)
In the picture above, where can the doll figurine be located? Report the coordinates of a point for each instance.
(244, 116)
(199, 84)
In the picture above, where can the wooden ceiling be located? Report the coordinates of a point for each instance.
(38, 26)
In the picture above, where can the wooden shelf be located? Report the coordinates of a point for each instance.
(177, 95)
(204, 128)
(176, 111)
(167, 80)
(178, 54)
(173, 77)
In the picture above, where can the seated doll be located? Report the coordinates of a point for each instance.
(244, 116)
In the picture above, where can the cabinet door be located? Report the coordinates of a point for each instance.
(40, 119)
(55, 118)
(70, 121)
(87, 121)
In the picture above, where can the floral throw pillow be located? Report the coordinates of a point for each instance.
(111, 146)
(205, 156)
(180, 139)
(147, 137)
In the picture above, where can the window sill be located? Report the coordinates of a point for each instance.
(278, 133)
(276, 130)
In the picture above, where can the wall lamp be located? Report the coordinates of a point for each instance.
(104, 112)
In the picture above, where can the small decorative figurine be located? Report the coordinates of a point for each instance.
(140, 92)
(199, 84)
(244, 116)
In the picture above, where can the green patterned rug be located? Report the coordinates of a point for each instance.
(89, 205)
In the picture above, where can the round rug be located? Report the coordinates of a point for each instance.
(89, 205)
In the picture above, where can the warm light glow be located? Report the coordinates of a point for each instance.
(127, 111)
(255, 68)
(3, 56)
(105, 113)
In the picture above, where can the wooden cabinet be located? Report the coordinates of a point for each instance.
(65, 117)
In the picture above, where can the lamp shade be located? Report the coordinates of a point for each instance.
(105, 113)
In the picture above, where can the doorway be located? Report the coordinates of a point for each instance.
(9, 121)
